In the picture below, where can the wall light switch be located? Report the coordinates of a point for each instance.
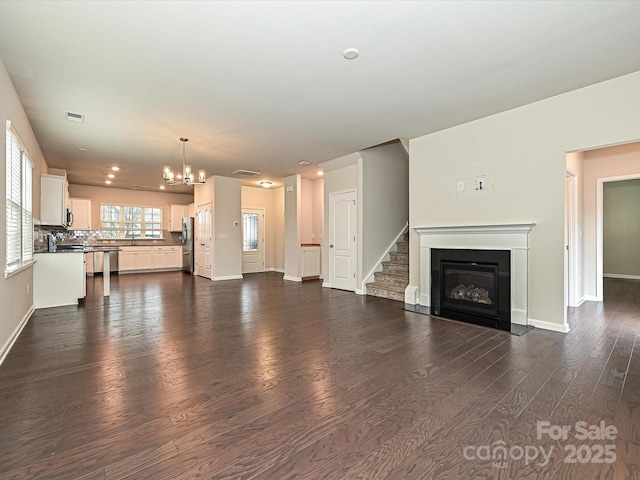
(223, 236)
(460, 186)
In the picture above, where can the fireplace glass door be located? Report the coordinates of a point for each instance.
(469, 287)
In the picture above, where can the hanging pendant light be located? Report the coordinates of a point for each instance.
(187, 177)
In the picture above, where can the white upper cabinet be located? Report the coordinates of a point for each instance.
(178, 212)
(54, 194)
(81, 210)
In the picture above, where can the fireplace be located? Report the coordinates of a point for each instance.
(472, 286)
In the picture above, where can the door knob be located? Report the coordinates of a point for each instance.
(330, 246)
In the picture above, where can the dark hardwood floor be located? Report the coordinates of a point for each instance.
(176, 376)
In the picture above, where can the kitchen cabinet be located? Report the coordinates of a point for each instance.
(132, 259)
(310, 261)
(81, 209)
(177, 213)
(58, 279)
(54, 200)
(169, 257)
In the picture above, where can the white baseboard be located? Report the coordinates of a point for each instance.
(555, 327)
(622, 276)
(292, 279)
(580, 302)
(4, 351)
(590, 298)
(227, 277)
(360, 292)
(278, 270)
(326, 285)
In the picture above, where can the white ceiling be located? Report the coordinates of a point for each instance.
(263, 85)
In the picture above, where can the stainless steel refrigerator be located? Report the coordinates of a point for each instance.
(188, 263)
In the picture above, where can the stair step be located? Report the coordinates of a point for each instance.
(392, 278)
(399, 257)
(402, 246)
(395, 267)
(392, 292)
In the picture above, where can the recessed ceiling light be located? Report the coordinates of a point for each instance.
(82, 149)
(266, 184)
(303, 163)
(161, 187)
(115, 169)
(320, 173)
(350, 53)
(108, 182)
(111, 175)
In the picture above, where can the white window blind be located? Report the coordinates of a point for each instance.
(19, 203)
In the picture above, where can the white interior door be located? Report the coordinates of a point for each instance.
(343, 246)
(203, 240)
(252, 240)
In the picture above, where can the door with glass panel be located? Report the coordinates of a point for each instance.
(252, 240)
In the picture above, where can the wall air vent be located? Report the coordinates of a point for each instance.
(139, 187)
(75, 117)
(247, 173)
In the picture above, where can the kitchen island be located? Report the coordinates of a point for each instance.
(58, 279)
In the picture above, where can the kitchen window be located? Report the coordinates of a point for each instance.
(19, 205)
(130, 222)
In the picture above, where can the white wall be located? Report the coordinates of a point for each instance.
(16, 292)
(227, 219)
(292, 219)
(266, 198)
(523, 154)
(575, 168)
(306, 211)
(226, 199)
(317, 210)
(278, 229)
(621, 228)
(343, 178)
(120, 196)
(385, 201)
(607, 162)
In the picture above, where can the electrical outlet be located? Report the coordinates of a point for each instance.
(460, 186)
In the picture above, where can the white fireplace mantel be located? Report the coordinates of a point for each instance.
(513, 237)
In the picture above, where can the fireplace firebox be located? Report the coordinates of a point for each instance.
(472, 286)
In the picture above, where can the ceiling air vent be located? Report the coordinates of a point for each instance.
(75, 117)
(247, 173)
(139, 187)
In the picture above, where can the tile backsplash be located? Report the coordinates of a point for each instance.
(92, 237)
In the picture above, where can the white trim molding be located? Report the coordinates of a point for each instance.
(4, 351)
(512, 237)
(227, 277)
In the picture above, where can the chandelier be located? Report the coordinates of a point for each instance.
(187, 177)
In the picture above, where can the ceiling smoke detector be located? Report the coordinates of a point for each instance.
(351, 53)
(75, 117)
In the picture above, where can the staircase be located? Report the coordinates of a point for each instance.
(393, 279)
